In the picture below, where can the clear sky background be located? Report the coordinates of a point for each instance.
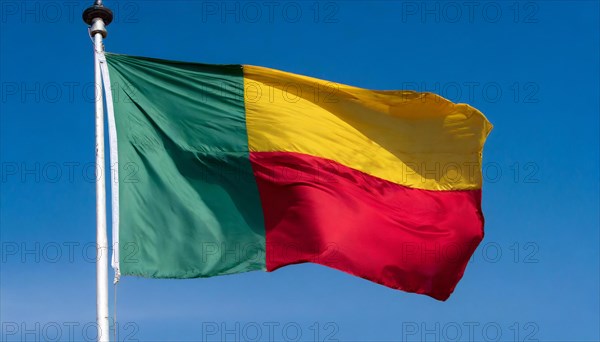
(531, 67)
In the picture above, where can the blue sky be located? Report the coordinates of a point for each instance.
(531, 67)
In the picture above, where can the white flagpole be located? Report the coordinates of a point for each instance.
(98, 17)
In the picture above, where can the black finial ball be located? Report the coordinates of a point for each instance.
(97, 12)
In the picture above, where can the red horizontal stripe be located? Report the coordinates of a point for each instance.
(319, 211)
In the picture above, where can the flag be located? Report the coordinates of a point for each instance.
(225, 169)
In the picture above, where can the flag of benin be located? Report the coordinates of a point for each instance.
(233, 168)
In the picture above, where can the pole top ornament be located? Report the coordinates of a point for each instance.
(97, 11)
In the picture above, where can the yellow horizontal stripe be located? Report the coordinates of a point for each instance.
(420, 140)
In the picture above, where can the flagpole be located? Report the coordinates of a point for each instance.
(98, 17)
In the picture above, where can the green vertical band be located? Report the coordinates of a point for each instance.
(189, 204)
